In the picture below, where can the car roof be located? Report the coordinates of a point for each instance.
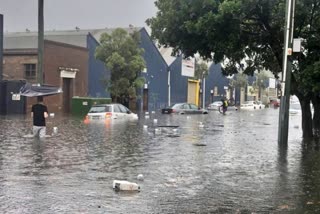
(109, 104)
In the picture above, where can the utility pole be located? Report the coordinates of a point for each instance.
(1, 46)
(286, 75)
(169, 86)
(40, 41)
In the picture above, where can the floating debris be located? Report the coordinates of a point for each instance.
(200, 144)
(55, 130)
(140, 177)
(157, 130)
(119, 185)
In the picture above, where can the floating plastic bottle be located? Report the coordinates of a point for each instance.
(119, 185)
(55, 130)
(157, 131)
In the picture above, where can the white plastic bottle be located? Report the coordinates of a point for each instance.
(119, 185)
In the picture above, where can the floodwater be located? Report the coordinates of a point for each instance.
(231, 165)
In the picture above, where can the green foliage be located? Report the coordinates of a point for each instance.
(201, 70)
(240, 80)
(238, 30)
(123, 57)
(261, 79)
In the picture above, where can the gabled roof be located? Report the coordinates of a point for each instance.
(167, 55)
(96, 33)
(29, 40)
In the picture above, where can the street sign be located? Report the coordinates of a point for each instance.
(297, 45)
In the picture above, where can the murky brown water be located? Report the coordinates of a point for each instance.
(232, 165)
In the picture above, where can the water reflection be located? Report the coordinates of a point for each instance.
(238, 168)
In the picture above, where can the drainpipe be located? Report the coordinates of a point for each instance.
(40, 42)
(204, 93)
(1, 46)
(169, 87)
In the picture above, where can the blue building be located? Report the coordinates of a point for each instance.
(154, 95)
(216, 85)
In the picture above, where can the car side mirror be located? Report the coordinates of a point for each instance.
(128, 112)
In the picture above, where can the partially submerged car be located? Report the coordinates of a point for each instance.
(184, 108)
(114, 111)
(217, 105)
(250, 105)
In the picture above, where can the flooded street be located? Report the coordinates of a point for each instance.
(231, 165)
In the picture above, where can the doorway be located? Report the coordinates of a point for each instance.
(67, 87)
(145, 99)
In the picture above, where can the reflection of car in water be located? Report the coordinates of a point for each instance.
(249, 105)
(110, 112)
(183, 108)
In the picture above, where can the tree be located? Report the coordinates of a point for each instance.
(201, 70)
(260, 83)
(123, 57)
(250, 31)
(239, 81)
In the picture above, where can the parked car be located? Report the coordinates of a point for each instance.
(110, 112)
(217, 105)
(249, 105)
(275, 102)
(294, 108)
(184, 108)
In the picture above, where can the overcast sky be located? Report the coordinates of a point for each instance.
(20, 15)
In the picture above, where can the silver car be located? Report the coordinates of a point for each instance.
(184, 108)
(114, 111)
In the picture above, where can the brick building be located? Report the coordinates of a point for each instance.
(64, 65)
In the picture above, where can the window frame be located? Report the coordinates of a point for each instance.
(30, 71)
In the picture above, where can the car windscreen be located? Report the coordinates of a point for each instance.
(175, 106)
(100, 109)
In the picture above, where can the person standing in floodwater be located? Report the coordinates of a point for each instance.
(224, 106)
(39, 113)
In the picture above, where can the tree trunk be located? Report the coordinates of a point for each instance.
(306, 117)
(316, 116)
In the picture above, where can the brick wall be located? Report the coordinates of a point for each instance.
(63, 55)
(13, 65)
(55, 55)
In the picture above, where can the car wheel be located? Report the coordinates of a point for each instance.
(260, 107)
(254, 107)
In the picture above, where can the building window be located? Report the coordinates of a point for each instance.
(30, 71)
